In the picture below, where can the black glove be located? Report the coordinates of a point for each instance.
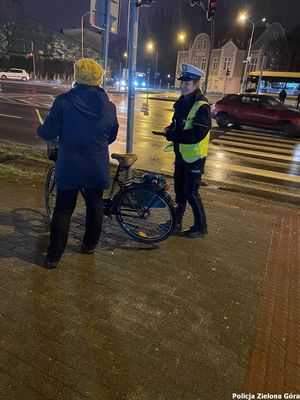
(171, 135)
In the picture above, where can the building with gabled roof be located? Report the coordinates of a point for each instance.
(228, 57)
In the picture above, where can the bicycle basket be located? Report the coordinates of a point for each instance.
(154, 180)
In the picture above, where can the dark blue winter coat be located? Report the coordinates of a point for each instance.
(85, 123)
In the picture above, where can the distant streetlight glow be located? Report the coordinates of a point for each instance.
(181, 37)
(150, 47)
(125, 54)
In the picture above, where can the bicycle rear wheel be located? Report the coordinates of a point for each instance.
(50, 192)
(144, 214)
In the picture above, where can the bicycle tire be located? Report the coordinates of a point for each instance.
(145, 214)
(50, 192)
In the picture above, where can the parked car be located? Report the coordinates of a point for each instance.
(15, 73)
(258, 111)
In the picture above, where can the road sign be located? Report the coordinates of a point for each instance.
(97, 14)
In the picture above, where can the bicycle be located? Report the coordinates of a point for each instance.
(142, 206)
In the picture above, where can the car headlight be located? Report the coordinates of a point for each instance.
(135, 83)
(123, 83)
(144, 84)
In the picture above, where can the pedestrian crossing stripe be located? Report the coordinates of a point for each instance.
(277, 145)
(286, 164)
(260, 136)
(258, 153)
(251, 146)
(292, 177)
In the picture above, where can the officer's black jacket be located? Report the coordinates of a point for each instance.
(201, 124)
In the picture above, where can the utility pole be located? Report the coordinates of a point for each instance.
(210, 10)
(212, 38)
(132, 52)
(106, 37)
(262, 67)
(33, 61)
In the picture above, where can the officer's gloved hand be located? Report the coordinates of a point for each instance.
(171, 135)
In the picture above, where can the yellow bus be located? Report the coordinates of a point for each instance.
(272, 82)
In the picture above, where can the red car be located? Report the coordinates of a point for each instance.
(258, 111)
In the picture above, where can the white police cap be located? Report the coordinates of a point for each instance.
(189, 73)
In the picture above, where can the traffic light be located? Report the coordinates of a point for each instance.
(29, 55)
(211, 9)
(140, 3)
(228, 72)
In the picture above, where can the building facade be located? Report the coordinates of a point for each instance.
(227, 62)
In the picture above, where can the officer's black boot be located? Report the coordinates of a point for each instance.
(179, 212)
(196, 232)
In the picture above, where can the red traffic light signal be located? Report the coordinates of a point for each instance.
(29, 55)
(211, 9)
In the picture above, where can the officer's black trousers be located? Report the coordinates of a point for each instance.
(187, 179)
(60, 225)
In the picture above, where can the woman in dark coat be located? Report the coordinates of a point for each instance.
(85, 123)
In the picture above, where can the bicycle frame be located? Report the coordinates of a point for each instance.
(108, 201)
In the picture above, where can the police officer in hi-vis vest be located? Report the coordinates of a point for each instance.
(189, 132)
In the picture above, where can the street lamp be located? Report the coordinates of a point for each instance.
(181, 37)
(150, 48)
(243, 18)
(125, 55)
(85, 14)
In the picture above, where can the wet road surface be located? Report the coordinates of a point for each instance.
(247, 161)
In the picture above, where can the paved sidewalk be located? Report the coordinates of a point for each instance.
(183, 320)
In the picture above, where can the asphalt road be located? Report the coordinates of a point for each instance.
(246, 161)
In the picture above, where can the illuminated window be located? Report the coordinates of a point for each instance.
(227, 63)
(215, 63)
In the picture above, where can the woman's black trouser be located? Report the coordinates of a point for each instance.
(60, 224)
(187, 179)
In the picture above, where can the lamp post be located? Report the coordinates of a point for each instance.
(125, 55)
(150, 48)
(243, 18)
(85, 14)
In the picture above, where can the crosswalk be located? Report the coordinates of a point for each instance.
(32, 100)
(255, 161)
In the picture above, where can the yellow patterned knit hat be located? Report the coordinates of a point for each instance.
(88, 72)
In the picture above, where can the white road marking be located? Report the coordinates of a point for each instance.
(10, 116)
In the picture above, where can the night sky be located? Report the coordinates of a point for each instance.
(159, 22)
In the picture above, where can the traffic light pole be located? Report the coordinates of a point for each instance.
(212, 38)
(132, 53)
(33, 61)
(106, 37)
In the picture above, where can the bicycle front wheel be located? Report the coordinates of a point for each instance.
(144, 214)
(50, 192)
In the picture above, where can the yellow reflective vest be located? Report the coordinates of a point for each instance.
(193, 152)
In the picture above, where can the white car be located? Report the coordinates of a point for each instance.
(15, 73)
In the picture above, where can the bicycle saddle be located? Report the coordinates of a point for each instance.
(125, 160)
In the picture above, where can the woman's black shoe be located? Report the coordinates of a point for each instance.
(50, 264)
(87, 249)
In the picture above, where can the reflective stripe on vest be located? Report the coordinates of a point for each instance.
(193, 152)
